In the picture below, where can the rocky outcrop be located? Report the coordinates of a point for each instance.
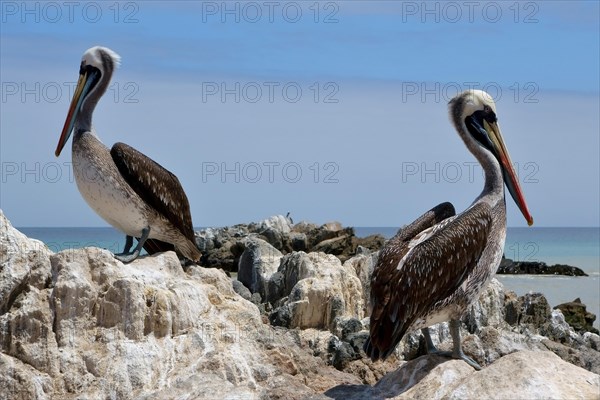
(518, 375)
(222, 247)
(257, 263)
(80, 324)
(24, 262)
(510, 267)
(363, 265)
(307, 291)
(577, 315)
(314, 290)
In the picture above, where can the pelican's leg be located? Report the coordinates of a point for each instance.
(129, 257)
(457, 351)
(431, 349)
(128, 244)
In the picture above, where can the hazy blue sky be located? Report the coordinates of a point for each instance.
(329, 110)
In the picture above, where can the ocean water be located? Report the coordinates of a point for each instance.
(579, 247)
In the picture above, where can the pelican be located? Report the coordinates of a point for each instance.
(435, 267)
(127, 189)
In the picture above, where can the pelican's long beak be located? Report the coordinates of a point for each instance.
(83, 85)
(510, 176)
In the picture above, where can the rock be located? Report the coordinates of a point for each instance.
(524, 374)
(326, 232)
(276, 288)
(221, 247)
(293, 268)
(320, 291)
(510, 267)
(304, 227)
(348, 326)
(220, 257)
(317, 341)
(80, 324)
(258, 262)
(489, 310)
(577, 316)
(584, 358)
(23, 263)
(342, 353)
(336, 246)
(298, 241)
(558, 329)
(275, 238)
(332, 226)
(205, 239)
(363, 265)
(592, 340)
(535, 309)
(242, 290)
(512, 308)
(372, 242)
(562, 269)
(278, 223)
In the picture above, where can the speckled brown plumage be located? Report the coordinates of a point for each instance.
(412, 280)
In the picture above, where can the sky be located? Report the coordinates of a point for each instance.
(332, 110)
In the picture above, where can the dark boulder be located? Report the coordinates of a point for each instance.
(577, 316)
(531, 309)
(510, 267)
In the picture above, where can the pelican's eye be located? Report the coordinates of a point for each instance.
(488, 114)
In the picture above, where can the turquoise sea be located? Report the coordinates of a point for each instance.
(579, 247)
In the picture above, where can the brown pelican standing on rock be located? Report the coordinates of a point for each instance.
(434, 268)
(127, 189)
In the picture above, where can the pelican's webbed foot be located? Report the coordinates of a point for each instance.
(462, 356)
(457, 352)
(126, 256)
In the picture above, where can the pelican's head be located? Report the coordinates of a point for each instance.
(95, 71)
(473, 112)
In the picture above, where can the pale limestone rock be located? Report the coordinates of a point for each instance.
(530, 374)
(277, 222)
(321, 291)
(363, 265)
(23, 262)
(524, 374)
(332, 226)
(89, 327)
(489, 309)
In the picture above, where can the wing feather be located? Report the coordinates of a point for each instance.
(153, 246)
(407, 271)
(156, 185)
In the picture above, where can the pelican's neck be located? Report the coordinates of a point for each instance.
(84, 118)
(493, 188)
(84, 121)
